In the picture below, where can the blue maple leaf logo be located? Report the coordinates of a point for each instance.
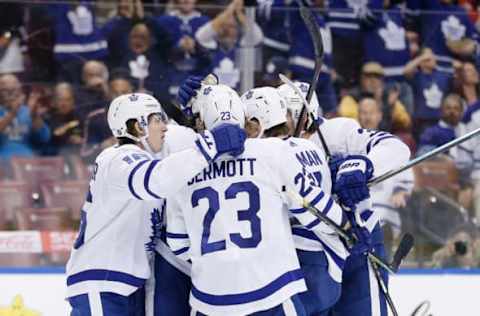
(207, 90)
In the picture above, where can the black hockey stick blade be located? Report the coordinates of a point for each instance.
(406, 244)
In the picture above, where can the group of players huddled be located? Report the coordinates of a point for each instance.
(213, 222)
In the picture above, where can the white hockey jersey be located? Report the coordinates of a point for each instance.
(122, 208)
(231, 221)
(313, 160)
(344, 136)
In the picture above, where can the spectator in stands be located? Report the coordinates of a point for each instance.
(445, 28)
(459, 251)
(93, 94)
(448, 127)
(468, 83)
(65, 123)
(302, 57)
(392, 195)
(11, 28)
(395, 116)
(385, 41)
(185, 57)
(145, 64)
(77, 38)
(97, 136)
(116, 30)
(429, 86)
(345, 19)
(275, 66)
(22, 129)
(274, 21)
(222, 36)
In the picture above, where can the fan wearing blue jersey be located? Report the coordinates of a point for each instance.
(360, 155)
(109, 262)
(322, 260)
(234, 224)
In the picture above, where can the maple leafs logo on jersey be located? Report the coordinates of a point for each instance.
(133, 97)
(453, 29)
(393, 36)
(303, 87)
(207, 90)
(433, 96)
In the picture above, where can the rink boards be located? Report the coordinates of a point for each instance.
(416, 292)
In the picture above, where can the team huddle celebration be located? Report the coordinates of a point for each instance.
(239, 157)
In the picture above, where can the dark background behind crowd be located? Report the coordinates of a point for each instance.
(407, 67)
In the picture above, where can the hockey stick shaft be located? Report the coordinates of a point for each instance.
(383, 287)
(340, 231)
(424, 157)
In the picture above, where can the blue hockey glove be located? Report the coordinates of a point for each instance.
(351, 180)
(223, 139)
(187, 91)
(363, 237)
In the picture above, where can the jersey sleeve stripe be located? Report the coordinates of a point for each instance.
(298, 210)
(204, 153)
(176, 235)
(105, 275)
(147, 178)
(377, 141)
(130, 178)
(181, 250)
(340, 262)
(313, 224)
(318, 198)
(247, 297)
(328, 207)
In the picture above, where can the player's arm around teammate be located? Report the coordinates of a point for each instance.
(109, 262)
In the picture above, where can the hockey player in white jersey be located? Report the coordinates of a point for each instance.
(321, 260)
(357, 156)
(109, 261)
(232, 221)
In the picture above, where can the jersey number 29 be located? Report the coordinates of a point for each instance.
(249, 215)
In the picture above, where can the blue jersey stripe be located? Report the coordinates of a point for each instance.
(247, 297)
(308, 234)
(313, 224)
(180, 251)
(327, 207)
(105, 275)
(317, 199)
(298, 210)
(148, 173)
(204, 153)
(176, 235)
(130, 178)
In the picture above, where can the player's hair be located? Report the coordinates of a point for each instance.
(277, 130)
(131, 130)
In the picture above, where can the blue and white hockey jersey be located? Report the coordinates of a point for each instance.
(441, 22)
(121, 215)
(428, 92)
(344, 137)
(232, 222)
(76, 33)
(385, 42)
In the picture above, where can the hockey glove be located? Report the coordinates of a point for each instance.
(351, 180)
(186, 92)
(362, 235)
(223, 139)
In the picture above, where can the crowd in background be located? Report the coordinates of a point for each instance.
(406, 67)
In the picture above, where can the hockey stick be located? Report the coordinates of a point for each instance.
(424, 157)
(402, 251)
(297, 90)
(314, 30)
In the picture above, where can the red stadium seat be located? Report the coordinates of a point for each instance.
(440, 174)
(53, 219)
(14, 195)
(36, 170)
(67, 193)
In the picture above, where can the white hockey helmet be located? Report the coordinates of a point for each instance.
(294, 101)
(266, 105)
(218, 104)
(137, 106)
